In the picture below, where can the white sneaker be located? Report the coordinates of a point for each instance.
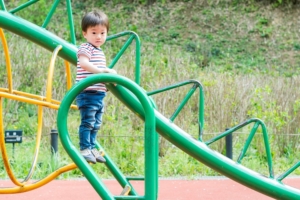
(97, 155)
(88, 156)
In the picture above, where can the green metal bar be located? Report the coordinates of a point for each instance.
(2, 5)
(130, 197)
(289, 171)
(137, 51)
(37, 35)
(50, 14)
(118, 35)
(137, 58)
(201, 100)
(229, 131)
(73, 152)
(248, 141)
(265, 135)
(122, 50)
(151, 146)
(183, 102)
(201, 113)
(116, 172)
(174, 86)
(71, 22)
(135, 178)
(25, 5)
(267, 147)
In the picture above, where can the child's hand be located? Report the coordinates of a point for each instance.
(112, 71)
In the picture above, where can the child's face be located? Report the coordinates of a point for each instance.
(96, 35)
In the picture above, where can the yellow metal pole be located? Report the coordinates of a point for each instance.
(7, 58)
(42, 182)
(28, 100)
(33, 101)
(3, 151)
(23, 96)
(68, 73)
(50, 73)
(37, 144)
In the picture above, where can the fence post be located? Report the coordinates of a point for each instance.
(228, 142)
(54, 141)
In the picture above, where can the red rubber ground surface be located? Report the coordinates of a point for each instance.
(215, 189)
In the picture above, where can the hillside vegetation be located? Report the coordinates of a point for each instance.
(254, 37)
(246, 55)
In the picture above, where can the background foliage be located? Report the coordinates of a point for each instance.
(245, 53)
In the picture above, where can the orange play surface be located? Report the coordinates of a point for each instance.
(169, 189)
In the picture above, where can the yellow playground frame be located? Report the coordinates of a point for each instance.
(10, 93)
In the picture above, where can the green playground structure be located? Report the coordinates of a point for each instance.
(140, 102)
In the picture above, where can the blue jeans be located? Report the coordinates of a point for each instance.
(91, 106)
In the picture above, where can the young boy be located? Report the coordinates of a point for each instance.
(91, 60)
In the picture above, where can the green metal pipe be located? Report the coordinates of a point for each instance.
(285, 174)
(248, 141)
(2, 5)
(201, 100)
(151, 142)
(50, 14)
(137, 58)
(186, 98)
(201, 113)
(183, 103)
(134, 178)
(231, 130)
(201, 152)
(71, 22)
(130, 197)
(21, 7)
(121, 52)
(265, 135)
(73, 152)
(173, 86)
(38, 35)
(267, 148)
(116, 172)
(137, 50)
(118, 35)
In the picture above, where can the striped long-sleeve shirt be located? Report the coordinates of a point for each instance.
(97, 58)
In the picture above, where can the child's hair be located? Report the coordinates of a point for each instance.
(94, 18)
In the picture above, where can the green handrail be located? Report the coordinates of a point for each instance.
(289, 171)
(196, 84)
(258, 123)
(50, 14)
(151, 139)
(132, 35)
